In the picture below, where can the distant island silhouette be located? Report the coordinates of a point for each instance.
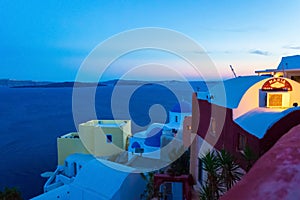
(69, 84)
(60, 85)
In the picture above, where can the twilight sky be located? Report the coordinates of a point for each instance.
(48, 40)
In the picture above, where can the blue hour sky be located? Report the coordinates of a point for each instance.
(48, 40)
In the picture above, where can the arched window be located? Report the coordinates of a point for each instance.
(212, 126)
(242, 142)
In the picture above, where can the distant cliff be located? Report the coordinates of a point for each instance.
(196, 85)
(16, 83)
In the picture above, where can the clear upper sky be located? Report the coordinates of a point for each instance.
(48, 40)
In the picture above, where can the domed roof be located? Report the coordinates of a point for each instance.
(135, 145)
(153, 137)
(182, 107)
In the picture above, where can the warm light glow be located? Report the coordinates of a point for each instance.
(278, 74)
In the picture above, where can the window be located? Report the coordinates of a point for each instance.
(242, 142)
(275, 100)
(108, 138)
(296, 78)
(189, 127)
(212, 126)
(174, 131)
(278, 100)
(176, 118)
(75, 168)
(200, 168)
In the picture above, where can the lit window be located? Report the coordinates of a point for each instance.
(275, 100)
(189, 127)
(278, 100)
(108, 138)
(242, 142)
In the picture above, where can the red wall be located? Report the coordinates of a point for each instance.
(227, 132)
(279, 129)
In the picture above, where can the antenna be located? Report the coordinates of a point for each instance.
(283, 68)
(232, 71)
(286, 64)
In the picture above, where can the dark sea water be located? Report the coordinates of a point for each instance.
(32, 118)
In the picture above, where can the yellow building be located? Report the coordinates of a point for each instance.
(69, 144)
(97, 137)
